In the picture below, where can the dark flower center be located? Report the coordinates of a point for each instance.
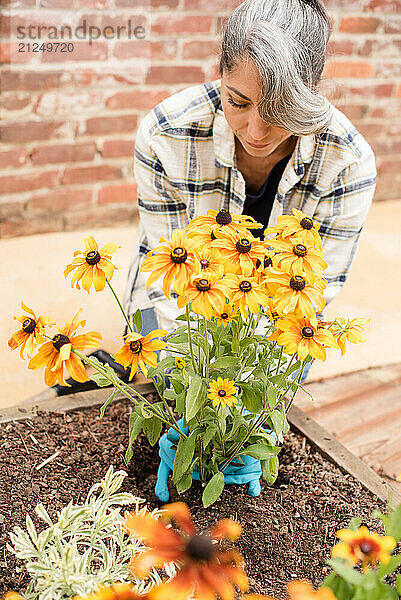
(204, 263)
(212, 236)
(245, 286)
(274, 315)
(306, 223)
(29, 325)
(243, 246)
(93, 257)
(224, 316)
(299, 250)
(222, 393)
(366, 547)
(297, 283)
(179, 255)
(267, 262)
(203, 285)
(200, 547)
(223, 217)
(307, 332)
(135, 346)
(60, 340)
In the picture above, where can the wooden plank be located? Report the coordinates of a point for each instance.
(343, 458)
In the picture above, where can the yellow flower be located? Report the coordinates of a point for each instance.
(208, 263)
(296, 258)
(300, 335)
(58, 353)
(13, 596)
(363, 546)
(244, 292)
(399, 477)
(93, 266)
(225, 317)
(179, 362)
(31, 332)
(292, 292)
(223, 392)
(204, 295)
(224, 220)
(239, 252)
(262, 265)
(118, 591)
(298, 225)
(175, 260)
(139, 351)
(349, 330)
(298, 590)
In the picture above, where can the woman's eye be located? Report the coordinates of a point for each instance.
(231, 101)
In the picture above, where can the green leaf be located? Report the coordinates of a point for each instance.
(346, 572)
(391, 522)
(261, 451)
(355, 523)
(224, 362)
(252, 398)
(100, 379)
(183, 456)
(340, 588)
(208, 435)
(271, 396)
(152, 429)
(177, 385)
(194, 398)
(213, 489)
(185, 482)
(108, 401)
(134, 425)
(246, 342)
(391, 566)
(398, 584)
(137, 321)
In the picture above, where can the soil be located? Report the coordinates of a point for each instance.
(288, 531)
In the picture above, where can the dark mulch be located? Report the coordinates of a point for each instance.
(287, 532)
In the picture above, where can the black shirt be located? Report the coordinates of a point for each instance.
(259, 205)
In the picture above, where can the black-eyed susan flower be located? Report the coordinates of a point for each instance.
(204, 295)
(179, 363)
(58, 353)
(294, 257)
(362, 545)
(225, 317)
(92, 265)
(175, 260)
(140, 350)
(244, 293)
(224, 220)
(13, 596)
(222, 392)
(239, 252)
(349, 330)
(262, 265)
(205, 572)
(118, 591)
(31, 332)
(296, 292)
(298, 225)
(301, 336)
(208, 263)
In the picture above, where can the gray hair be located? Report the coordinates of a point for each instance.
(286, 40)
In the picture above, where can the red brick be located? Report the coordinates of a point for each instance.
(201, 49)
(137, 99)
(6, 23)
(15, 101)
(104, 215)
(36, 19)
(18, 3)
(61, 199)
(381, 48)
(392, 24)
(27, 131)
(206, 5)
(118, 194)
(384, 6)
(381, 90)
(11, 210)
(389, 166)
(105, 125)
(69, 4)
(12, 184)
(386, 146)
(116, 148)
(166, 24)
(221, 24)
(398, 91)
(163, 50)
(61, 153)
(44, 223)
(387, 188)
(345, 5)
(90, 174)
(69, 103)
(340, 47)
(102, 20)
(130, 75)
(348, 69)
(34, 80)
(174, 75)
(9, 53)
(16, 157)
(82, 51)
(369, 130)
(359, 24)
(390, 70)
(353, 111)
(389, 111)
(148, 3)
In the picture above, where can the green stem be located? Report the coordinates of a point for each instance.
(206, 349)
(190, 338)
(240, 445)
(121, 308)
(298, 381)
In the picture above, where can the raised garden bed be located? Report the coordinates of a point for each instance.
(288, 531)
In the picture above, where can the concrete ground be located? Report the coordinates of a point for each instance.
(31, 270)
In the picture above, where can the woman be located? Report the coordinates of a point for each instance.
(261, 141)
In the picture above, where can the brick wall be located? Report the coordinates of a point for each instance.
(69, 118)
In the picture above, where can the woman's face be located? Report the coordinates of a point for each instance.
(240, 95)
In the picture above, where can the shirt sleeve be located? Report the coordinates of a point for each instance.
(161, 210)
(341, 214)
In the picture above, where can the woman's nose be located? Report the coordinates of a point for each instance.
(258, 129)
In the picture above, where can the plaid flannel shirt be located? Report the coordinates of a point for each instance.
(185, 164)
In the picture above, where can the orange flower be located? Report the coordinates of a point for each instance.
(223, 392)
(239, 252)
(31, 332)
(244, 292)
(118, 591)
(58, 353)
(13, 596)
(362, 545)
(208, 263)
(225, 317)
(296, 258)
(224, 220)
(175, 260)
(139, 351)
(302, 336)
(93, 267)
(205, 571)
(349, 330)
(204, 296)
(297, 225)
(292, 292)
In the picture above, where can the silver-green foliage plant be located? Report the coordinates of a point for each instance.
(87, 546)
